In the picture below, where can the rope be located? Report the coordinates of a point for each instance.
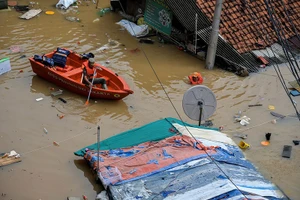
(266, 122)
(50, 145)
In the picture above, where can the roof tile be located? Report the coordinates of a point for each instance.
(244, 26)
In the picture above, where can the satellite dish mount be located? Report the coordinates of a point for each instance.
(199, 103)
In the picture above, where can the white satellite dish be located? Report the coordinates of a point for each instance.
(199, 103)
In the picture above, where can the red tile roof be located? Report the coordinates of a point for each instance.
(247, 26)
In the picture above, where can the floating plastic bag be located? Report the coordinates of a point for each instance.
(133, 29)
(65, 4)
(244, 120)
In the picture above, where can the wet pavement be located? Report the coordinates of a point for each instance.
(157, 73)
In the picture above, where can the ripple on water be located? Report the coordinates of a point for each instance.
(74, 106)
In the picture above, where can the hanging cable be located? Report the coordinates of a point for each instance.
(169, 99)
(263, 34)
(279, 30)
(275, 23)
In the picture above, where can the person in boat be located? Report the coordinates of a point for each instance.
(196, 78)
(88, 69)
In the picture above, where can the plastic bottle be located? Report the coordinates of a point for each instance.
(106, 10)
(103, 11)
(45, 130)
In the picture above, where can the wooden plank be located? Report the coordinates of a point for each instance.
(74, 198)
(30, 14)
(295, 85)
(8, 160)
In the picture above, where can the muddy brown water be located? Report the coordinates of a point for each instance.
(51, 172)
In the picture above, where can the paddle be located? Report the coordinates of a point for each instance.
(87, 101)
(81, 78)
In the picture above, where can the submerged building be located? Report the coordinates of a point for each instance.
(252, 34)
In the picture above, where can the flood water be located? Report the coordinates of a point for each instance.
(157, 73)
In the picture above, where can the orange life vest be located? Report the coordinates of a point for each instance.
(196, 80)
(89, 71)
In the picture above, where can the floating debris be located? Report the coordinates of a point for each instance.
(243, 120)
(60, 116)
(268, 136)
(242, 136)
(64, 101)
(265, 143)
(56, 93)
(243, 145)
(254, 105)
(146, 40)
(207, 123)
(96, 20)
(102, 48)
(296, 142)
(135, 50)
(9, 158)
(30, 14)
(45, 130)
(73, 19)
(286, 152)
(55, 143)
(49, 12)
(16, 49)
(277, 115)
(4, 65)
(271, 107)
(294, 93)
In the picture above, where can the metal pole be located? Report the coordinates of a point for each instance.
(213, 42)
(98, 148)
(97, 4)
(196, 23)
(200, 115)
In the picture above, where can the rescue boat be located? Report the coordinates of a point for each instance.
(70, 76)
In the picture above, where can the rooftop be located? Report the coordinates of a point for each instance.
(246, 25)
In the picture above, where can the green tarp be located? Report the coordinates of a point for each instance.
(153, 131)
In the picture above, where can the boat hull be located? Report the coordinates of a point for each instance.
(117, 87)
